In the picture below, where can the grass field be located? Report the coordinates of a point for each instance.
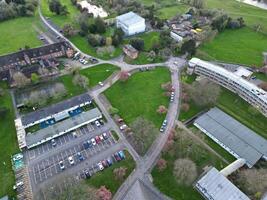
(171, 11)
(187, 148)
(243, 46)
(107, 178)
(261, 76)
(9, 146)
(60, 20)
(140, 95)
(16, 33)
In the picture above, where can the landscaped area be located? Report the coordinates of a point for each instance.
(8, 143)
(243, 46)
(107, 177)
(141, 95)
(183, 147)
(18, 33)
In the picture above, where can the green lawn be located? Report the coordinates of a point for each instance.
(60, 20)
(82, 44)
(149, 38)
(140, 95)
(171, 11)
(142, 59)
(260, 76)
(16, 33)
(9, 146)
(107, 178)
(243, 46)
(187, 148)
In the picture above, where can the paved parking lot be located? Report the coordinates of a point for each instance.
(49, 167)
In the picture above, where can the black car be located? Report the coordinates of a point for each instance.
(87, 173)
(86, 145)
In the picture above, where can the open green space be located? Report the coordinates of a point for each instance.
(261, 76)
(243, 46)
(9, 146)
(171, 11)
(141, 95)
(60, 20)
(107, 177)
(183, 148)
(18, 33)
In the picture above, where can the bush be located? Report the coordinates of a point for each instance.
(138, 43)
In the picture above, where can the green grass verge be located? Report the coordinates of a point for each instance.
(140, 95)
(16, 33)
(115, 135)
(243, 46)
(107, 177)
(165, 180)
(260, 76)
(9, 146)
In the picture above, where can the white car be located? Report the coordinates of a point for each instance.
(172, 94)
(81, 60)
(101, 137)
(124, 126)
(93, 141)
(74, 134)
(85, 62)
(100, 83)
(71, 161)
(100, 166)
(61, 165)
(97, 123)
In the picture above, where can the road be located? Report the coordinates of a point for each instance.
(146, 163)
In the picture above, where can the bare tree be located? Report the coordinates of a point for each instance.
(120, 173)
(185, 171)
(185, 107)
(124, 76)
(162, 109)
(20, 79)
(103, 193)
(81, 81)
(59, 91)
(167, 87)
(263, 86)
(161, 164)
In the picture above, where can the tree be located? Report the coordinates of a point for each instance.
(197, 3)
(124, 76)
(204, 92)
(220, 21)
(138, 43)
(117, 37)
(68, 30)
(185, 107)
(59, 91)
(151, 56)
(83, 21)
(103, 193)
(35, 78)
(20, 80)
(263, 86)
(100, 25)
(184, 171)
(55, 6)
(189, 47)
(120, 173)
(162, 109)
(167, 87)
(161, 164)
(81, 81)
(113, 111)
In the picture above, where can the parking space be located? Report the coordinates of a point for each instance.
(79, 153)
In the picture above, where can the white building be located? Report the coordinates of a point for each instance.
(131, 23)
(232, 81)
(93, 9)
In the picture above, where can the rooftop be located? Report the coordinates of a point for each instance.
(62, 127)
(240, 139)
(54, 109)
(130, 18)
(213, 185)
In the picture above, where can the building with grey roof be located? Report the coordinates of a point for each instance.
(214, 186)
(131, 23)
(62, 127)
(233, 136)
(55, 110)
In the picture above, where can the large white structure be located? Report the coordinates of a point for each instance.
(248, 91)
(131, 23)
(93, 9)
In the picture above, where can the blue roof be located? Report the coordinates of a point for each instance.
(130, 18)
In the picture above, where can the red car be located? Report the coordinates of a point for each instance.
(97, 139)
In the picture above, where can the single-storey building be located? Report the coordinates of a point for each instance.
(131, 23)
(130, 51)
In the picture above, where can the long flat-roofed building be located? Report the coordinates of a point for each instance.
(233, 136)
(62, 127)
(57, 111)
(131, 23)
(232, 81)
(214, 186)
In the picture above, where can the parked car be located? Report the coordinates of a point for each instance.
(97, 139)
(80, 156)
(90, 143)
(101, 137)
(93, 141)
(105, 163)
(161, 129)
(100, 166)
(87, 173)
(165, 122)
(61, 165)
(86, 145)
(100, 83)
(124, 126)
(97, 123)
(74, 134)
(109, 161)
(172, 99)
(54, 143)
(121, 154)
(105, 136)
(120, 120)
(117, 157)
(71, 160)
(172, 94)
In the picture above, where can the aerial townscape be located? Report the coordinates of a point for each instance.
(133, 99)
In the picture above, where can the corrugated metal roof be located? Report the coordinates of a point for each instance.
(213, 185)
(243, 141)
(130, 18)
